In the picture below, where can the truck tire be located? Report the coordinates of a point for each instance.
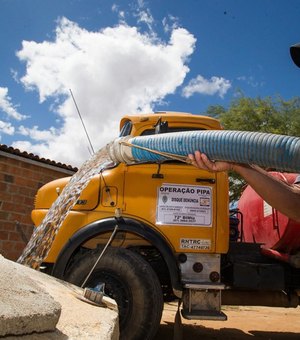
(131, 282)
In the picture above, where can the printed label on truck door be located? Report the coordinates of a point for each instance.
(195, 243)
(184, 205)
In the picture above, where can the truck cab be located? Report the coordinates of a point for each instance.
(170, 215)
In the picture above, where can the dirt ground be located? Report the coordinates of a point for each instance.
(243, 323)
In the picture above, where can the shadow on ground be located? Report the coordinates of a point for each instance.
(191, 332)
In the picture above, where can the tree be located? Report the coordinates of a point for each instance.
(272, 115)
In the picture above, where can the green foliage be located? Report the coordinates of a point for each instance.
(272, 115)
(264, 115)
(215, 111)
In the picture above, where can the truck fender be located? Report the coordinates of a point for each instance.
(124, 224)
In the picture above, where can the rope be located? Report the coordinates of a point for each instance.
(161, 153)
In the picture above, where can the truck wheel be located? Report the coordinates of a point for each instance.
(131, 282)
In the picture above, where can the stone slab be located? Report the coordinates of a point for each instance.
(78, 320)
(25, 306)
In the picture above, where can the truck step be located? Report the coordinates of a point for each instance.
(204, 315)
(204, 286)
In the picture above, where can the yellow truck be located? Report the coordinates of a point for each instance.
(171, 242)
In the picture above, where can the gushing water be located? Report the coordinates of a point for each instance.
(42, 238)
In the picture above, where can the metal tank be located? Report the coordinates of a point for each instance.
(278, 234)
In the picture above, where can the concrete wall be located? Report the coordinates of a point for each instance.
(20, 178)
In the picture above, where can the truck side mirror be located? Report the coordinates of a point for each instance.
(295, 54)
(161, 126)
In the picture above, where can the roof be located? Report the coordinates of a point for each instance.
(30, 156)
(171, 116)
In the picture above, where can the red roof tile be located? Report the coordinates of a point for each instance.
(24, 154)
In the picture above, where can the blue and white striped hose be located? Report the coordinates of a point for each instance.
(274, 151)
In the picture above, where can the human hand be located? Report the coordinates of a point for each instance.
(201, 161)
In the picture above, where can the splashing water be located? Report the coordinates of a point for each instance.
(42, 238)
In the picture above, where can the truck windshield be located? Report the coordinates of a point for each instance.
(170, 129)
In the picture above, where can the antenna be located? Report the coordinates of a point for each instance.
(87, 135)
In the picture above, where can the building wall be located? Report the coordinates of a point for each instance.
(20, 179)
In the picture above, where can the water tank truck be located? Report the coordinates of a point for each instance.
(175, 236)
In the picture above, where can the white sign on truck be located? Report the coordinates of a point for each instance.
(184, 205)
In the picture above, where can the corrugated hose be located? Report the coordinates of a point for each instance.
(274, 151)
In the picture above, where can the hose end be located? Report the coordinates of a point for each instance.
(118, 152)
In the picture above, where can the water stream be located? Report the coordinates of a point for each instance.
(42, 238)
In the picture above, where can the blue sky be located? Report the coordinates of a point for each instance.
(121, 57)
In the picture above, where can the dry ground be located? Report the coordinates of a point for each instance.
(243, 323)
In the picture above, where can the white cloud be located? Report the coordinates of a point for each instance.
(141, 3)
(14, 75)
(7, 106)
(121, 14)
(29, 147)
(251, 81)
(145, 17)
(170, 23)
(38, 135)
(7, 128)
(214, 85)
(111, 72)
(115, 8)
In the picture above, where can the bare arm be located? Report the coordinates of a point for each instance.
(280, 195)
